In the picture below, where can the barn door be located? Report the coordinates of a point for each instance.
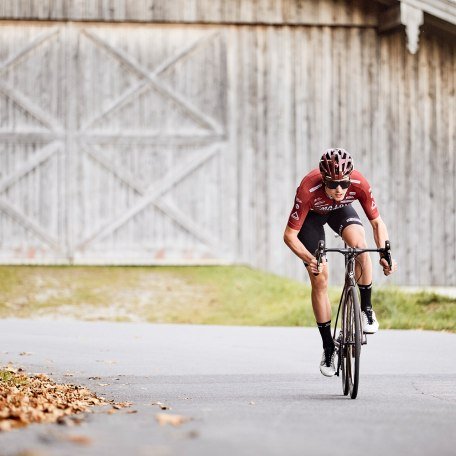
(32, 144)
(135, 120)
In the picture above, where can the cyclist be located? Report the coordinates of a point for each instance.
(324, 196)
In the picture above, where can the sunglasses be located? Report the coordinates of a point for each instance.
(334, 184)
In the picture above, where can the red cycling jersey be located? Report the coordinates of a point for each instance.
(311, 196)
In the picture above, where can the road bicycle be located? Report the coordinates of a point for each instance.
(350, 339)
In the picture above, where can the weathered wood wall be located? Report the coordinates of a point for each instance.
(342, 12)
(319, 87)
(115, 150)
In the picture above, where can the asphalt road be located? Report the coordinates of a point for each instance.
(248, 391)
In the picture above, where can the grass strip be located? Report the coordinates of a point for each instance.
(225, 295)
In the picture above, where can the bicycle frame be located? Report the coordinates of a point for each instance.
(350, 257)
(350, 254)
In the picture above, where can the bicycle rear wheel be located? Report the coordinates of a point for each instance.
(351, 337)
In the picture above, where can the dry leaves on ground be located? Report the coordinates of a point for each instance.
(37, 399)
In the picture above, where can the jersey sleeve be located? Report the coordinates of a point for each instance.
(367, 200)
(299, 212)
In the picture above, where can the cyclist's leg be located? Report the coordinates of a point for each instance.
(311, 232)
(346, 223)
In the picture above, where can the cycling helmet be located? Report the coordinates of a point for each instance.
(336, 164)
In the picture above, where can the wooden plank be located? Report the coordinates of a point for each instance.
(143, 84)
(29, 224)
(230, 196)
(22, 52)
(197, 230)
(155, 190)
(41, 156)
(189, 108)
(451, 75)
(446, 85)
(32, 108)
(302, 12)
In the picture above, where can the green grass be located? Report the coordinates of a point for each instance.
(203, 295)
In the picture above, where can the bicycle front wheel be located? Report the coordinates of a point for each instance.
(351, 337)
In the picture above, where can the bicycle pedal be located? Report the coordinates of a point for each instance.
(364, 340)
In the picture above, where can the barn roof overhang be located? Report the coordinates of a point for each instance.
(413, 14)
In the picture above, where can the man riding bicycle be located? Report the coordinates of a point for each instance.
(324, 196)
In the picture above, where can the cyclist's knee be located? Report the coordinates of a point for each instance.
(358, 242)
(361, 244)
(355, 236)
(320, 282)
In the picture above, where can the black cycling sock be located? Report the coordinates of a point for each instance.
(325, 333)
(365, 292)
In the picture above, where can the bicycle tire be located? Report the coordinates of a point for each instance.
(352, 343)
(343, 348)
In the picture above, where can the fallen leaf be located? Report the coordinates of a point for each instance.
(103, 384)
(31, 453)
(94, 378)
(25, 353)
(119, 405)
(161, 405)
(173, 420)
(79, 439)
(132, 411)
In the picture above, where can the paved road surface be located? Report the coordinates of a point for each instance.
(249, 391)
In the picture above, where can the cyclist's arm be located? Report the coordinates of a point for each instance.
(380, 231)
(291, 239)
(380, 236)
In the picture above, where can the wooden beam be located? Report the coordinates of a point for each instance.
(403, 14)
(195, 229)
(40, 156)
(37, 41)
(443, 9)
(439, 26)
(191, 110)
(387, 2)
(151, 195)
(30, 225)
(143, 83)
(390, 19)
(31, 108)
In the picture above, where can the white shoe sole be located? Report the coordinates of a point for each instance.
(328, 375)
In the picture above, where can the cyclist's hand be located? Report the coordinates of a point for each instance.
(313, 265)
(386, 270)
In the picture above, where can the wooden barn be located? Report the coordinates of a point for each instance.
(177, 131)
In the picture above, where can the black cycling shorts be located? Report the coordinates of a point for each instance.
(312, 229)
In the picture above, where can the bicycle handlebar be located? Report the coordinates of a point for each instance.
(385, 252)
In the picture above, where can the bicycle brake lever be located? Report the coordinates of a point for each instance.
(319, 254)
(388, 254)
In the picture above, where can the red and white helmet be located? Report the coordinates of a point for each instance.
(336, 164)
